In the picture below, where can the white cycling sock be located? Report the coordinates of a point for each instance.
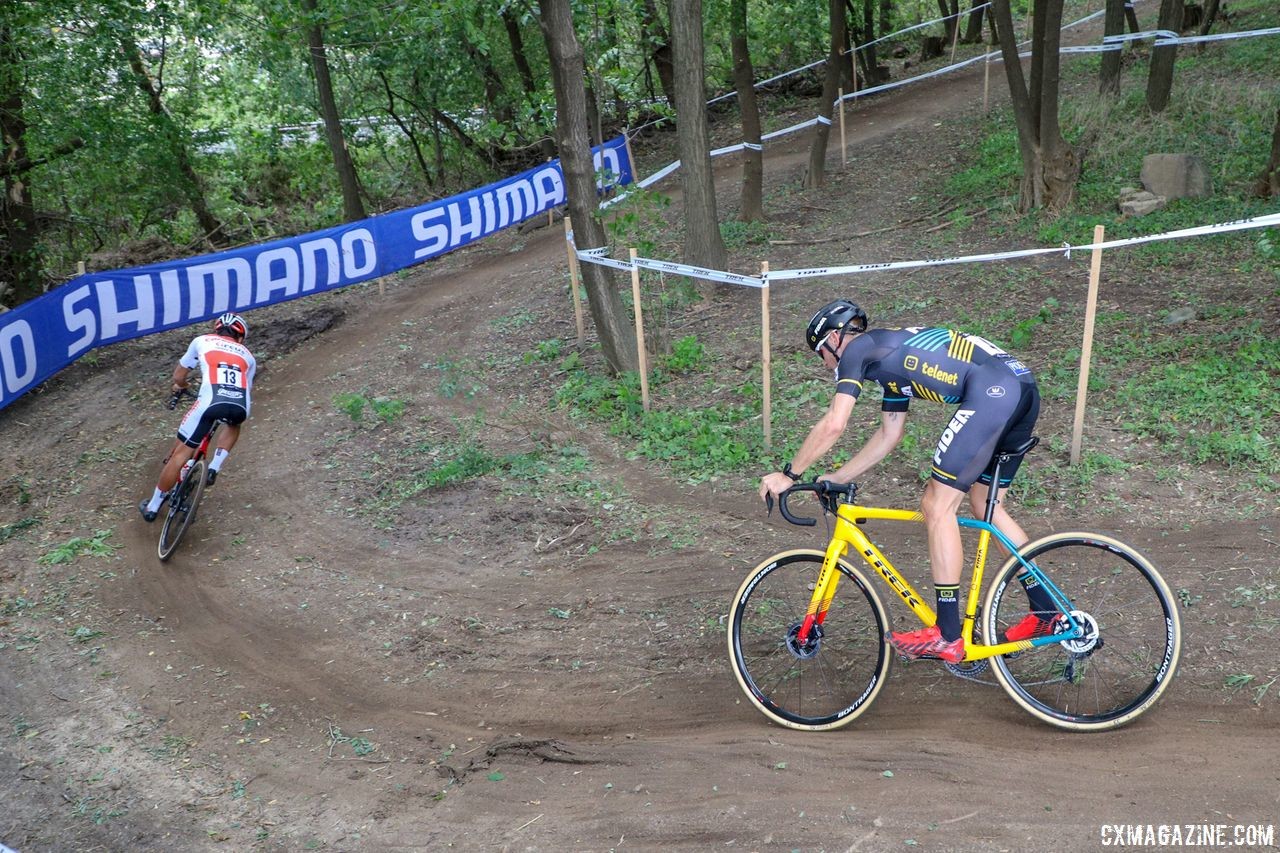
(157, 498)
(219, 456)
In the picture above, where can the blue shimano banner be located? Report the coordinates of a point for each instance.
(40, 337)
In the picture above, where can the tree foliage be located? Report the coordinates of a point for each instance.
(191, 124)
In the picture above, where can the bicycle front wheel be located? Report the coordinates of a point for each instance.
(827, 681)
(182, 510)
(1132, 636)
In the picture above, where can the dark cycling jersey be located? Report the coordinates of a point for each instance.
(996, 394)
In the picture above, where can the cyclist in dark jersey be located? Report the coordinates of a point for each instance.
(996, 408)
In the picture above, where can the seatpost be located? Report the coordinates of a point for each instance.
(993, 491)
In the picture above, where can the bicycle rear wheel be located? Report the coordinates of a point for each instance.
(1132, 641)
(182, 510)
(826, 682)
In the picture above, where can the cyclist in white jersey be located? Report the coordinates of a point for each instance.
(227, 368)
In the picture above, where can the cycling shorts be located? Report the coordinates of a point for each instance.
(201, 417)
(998, 413)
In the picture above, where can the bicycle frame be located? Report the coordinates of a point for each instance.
(848, 534)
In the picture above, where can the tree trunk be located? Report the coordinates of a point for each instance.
(1160, 77)
(495, 102)
(1049, 167)
(1060, 168)
(406, 128)
(659, 43)
(192, 186)
(20, 276)
(1269, 181)
(352, 206)
(703, 244)
(886, 18)
(815, 175)
(1210, 16)
(516, 39)
(743, 82)
(1109, 76)
(948, 9)
(617, 334)
(870, 75)
(1131, 17)
(973, 29)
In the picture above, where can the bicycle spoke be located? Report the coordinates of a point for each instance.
(1113, 671)
(826, 680)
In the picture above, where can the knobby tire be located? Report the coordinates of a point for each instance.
(828, 685)
(1090, 686)
(182, 510)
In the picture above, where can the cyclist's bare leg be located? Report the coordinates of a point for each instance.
(227, 436)
(173, 465)
(946, 551)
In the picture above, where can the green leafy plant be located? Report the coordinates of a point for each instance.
(1024, 330)
(353, 405)
(687, 356)
(80, 546)
(548, 350)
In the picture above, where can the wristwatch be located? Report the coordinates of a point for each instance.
(795, 478)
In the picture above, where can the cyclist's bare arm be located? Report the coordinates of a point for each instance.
(825, 433)
(180, 375)
(878, 446)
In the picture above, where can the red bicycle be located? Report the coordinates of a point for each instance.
(184, 497)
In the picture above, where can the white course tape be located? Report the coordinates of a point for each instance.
(795, 128)
(601, 259)
(1265, 221)
(920, 26)
(1243, 34)
(1146, 34)
(698, 272)
(994, 56)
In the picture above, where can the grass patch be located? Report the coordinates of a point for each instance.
(8, 531)
(385, 409)
(698, 442)
(1220, 404)
(1222, 110)
(80, 546)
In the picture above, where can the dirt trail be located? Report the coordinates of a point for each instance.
(299, 679)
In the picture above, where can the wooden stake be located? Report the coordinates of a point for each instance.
(551, 211)
(79, 267)
(573, 280)
(955, 39)
(631, 162)
(766, 359)
(844, 152)
(853, 55)
(640, 353)
(1086, 351)
(986, 85)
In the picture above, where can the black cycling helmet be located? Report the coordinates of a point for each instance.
(841, 314)
(231, 325)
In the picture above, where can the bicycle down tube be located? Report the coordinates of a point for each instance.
(848, 534)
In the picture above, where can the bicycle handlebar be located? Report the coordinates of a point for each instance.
(828, 493)
(176, 396)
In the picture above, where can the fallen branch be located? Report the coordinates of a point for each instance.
(894, 227)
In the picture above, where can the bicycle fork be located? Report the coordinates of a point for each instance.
(847, 534)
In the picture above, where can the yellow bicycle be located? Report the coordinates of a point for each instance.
(811, 660)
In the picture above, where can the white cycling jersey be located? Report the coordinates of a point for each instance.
(227, 368)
